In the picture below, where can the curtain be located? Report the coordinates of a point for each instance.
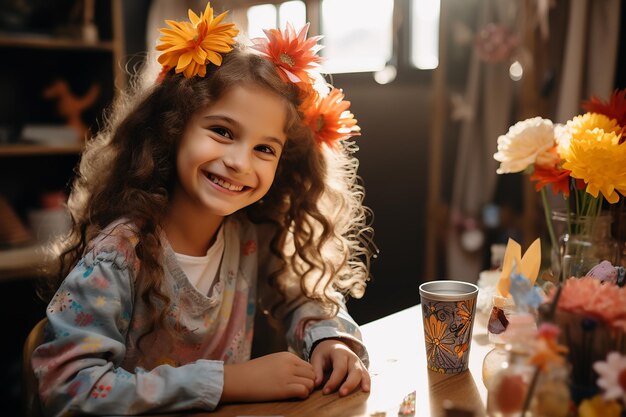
(489, 92)
(588, 51)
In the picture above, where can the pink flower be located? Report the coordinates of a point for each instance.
(590, 296)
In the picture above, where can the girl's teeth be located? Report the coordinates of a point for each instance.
(225, 184)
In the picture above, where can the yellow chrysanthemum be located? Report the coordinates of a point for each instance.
(592, 152)
(190, 46)
(598, 407)
(580, 124)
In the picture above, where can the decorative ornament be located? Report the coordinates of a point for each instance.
(496, 43)
(407, 407)
(72, 106)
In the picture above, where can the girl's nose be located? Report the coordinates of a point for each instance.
(238, 159)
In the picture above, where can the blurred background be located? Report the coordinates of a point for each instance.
(433, 83)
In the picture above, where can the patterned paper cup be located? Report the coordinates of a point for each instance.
(448, 310)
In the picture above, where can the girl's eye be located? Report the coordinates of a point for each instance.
(222, 131)
(266, 149)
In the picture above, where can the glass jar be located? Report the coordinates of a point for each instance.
(584, 241)
(508, 388)
(521, 329)
(495, 360)
(551, 396)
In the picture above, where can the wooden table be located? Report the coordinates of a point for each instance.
(398, 367)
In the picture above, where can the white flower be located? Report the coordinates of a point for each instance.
(563, 136)
(484, 301)
(612, 376)
(523, 143)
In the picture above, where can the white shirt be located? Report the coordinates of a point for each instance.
(202, 270)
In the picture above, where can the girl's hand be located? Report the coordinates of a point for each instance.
(345, 364)
(277, 376)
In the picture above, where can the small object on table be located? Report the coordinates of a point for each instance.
(407, 407)
(497, 321)
(452, 410)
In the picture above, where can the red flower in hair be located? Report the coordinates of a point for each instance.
(329, 118)
(291, 52)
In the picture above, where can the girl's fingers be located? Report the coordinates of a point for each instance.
(306, 382)
(298, 390)
(340, 368)
(366, 381)
(318, 368)
(351, 382)
(357, 375)
(307, 371)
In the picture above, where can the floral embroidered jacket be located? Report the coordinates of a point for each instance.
(90, 364)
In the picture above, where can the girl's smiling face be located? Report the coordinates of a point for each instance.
(230, 150)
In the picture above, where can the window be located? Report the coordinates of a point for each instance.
(293, 12)
(259, 18)
(357, 35)
(425, 33)
(268, 16)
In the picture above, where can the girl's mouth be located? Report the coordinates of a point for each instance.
(225, 184)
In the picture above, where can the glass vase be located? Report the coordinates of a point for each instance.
(584, 242)
(588, 340)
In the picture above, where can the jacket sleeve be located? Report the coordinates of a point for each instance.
(302, 318)
(79, 366)
(305, 329)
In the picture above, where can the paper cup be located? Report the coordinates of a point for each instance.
(448, 311)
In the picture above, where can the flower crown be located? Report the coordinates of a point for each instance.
(189, 47)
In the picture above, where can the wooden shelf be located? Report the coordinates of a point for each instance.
(50, 42)
(27, 150)
(20, 262)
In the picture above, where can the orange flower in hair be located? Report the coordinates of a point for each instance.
(190, 46)
(330, 120)
(291, 52)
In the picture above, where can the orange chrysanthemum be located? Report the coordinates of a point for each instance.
(190, 46)
(615, 108)
(292, 53)
(330, 120)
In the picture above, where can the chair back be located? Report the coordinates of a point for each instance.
(30, 386)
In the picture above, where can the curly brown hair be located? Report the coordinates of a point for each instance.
(128, 171)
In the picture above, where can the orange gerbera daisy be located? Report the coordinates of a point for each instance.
(190, 46)
(559, 178)
(330, 119)
(291, 52)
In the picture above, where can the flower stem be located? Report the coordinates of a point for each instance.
(546, 212)
(530, 392)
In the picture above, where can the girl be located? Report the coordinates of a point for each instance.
(223, 185)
